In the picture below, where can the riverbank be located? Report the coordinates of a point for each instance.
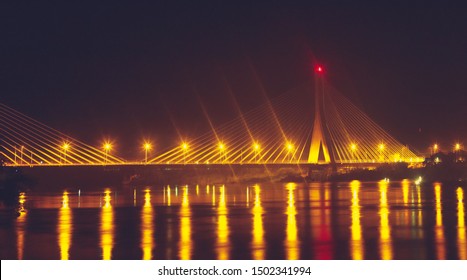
(13, 179)
(452, 173)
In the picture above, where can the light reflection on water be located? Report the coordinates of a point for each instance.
(439, 229)
(222, 244)
(65, 227)
(356, 244)
(385, 228)
(147, 229)
(21, 226)
(461, 232)
(291, 243)
(285, 221)
(257, 245)
(185, 227)
(107, 227)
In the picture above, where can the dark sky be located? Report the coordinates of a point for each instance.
(123, 71)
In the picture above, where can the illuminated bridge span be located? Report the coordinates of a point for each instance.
(283, 131)
(311, 124)
(25, 141)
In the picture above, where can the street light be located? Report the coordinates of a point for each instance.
(184, 146)
(256, 148)
(457, 147)
(381, 149)
(107, 147)
(435, 148)
(65, 148)
(221, 147)
(290, 148)
(147, 147)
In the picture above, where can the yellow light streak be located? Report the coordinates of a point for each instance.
(356, 242)
(169, 196)
(223, 231)
(386, 250)
(21, 226)
(147, 231)
(65, 227)
(439, 229)
(461, 230)
(185, 243)
(405, 191)
(292, 243)
(107, 227)
(257, 245)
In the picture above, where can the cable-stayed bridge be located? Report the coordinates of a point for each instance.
(25, 141)
(311, 124)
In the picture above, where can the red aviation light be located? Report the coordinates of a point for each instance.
(319, 69)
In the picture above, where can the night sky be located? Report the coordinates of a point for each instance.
(127, 72)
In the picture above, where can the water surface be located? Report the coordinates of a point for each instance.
(354, 220)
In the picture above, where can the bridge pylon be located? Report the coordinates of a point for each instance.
(319, 149)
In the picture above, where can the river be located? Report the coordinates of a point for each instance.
(349, 220)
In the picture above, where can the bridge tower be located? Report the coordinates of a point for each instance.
(319, 149)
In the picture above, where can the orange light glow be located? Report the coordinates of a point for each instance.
(290, 147)
(147, 146)
(107, 146)
(221, 146)
(256, 146)
(66, 146)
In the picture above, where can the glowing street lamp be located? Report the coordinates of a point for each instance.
(381, 149)
(457, 147)
(290, 148)
(184, 146)
(147, 147)
(221, 147)
(107, 147)
(65, 148)
(256, 148)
